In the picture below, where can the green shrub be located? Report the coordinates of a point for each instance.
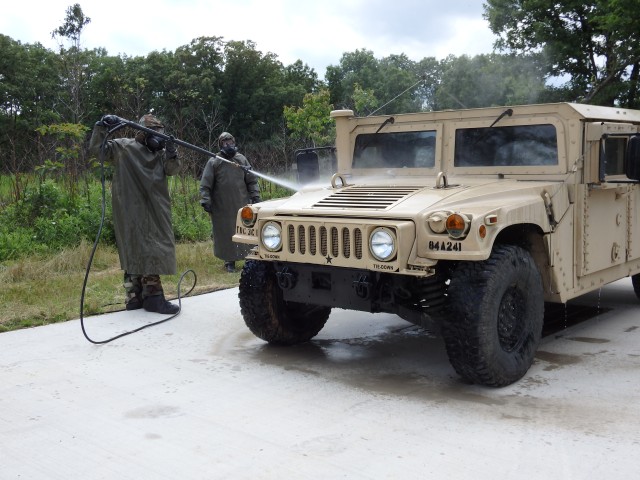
(58, 231)
(42, 201)
(49, 218)
(89, 213)
(18, 242)
(191, 229)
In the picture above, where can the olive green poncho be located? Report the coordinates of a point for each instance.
(141, 204)
(227, 188)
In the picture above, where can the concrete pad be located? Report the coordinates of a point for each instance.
(372, 397)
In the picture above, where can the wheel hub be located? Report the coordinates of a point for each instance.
(510, 326)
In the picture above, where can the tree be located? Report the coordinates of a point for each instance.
(490, 80)
(109, 89)
(74, 23)
(62, 143)
(430, 70)
(256, 87)
(364, 101)
(393, 84)
(398, 89)
(74, 61)
(356, 68)
(199, 74)
(189, 95)
(302, 76)
(595, 42)
(28, 90)
(311, 124)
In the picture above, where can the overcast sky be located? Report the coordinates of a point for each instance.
(317, 32)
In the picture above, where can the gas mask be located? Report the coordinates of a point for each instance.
(155, 143)
(229, 151)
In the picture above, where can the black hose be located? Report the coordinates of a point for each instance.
(95, 246)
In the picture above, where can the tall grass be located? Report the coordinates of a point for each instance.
(46, 288)
(46, 238)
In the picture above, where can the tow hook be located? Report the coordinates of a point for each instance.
(362, 286)
(286, 279)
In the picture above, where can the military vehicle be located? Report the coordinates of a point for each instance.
(466, 222)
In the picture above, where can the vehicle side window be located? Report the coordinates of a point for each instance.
(614, 148)
(524, 145)
(395, 150)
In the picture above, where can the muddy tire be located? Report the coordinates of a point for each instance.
(497, 314)
(635, 281)
(268, 316)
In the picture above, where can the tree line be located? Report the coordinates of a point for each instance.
(585, 51)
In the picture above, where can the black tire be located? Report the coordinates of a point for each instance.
(635, 280)
(497, 315)
(268, 316)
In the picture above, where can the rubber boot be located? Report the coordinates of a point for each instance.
(153, 296)
(159, 304)
(133, 288)
(134, 303)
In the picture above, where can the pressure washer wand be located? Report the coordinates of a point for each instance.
(128, 123)
(124, 123)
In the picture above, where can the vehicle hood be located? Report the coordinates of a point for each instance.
(406, 198)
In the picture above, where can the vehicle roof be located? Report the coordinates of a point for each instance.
(581, 111)
(597, 112)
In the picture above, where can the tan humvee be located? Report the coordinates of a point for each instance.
(462, 221)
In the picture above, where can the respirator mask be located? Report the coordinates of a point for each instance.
(154, 143)
(229, 151)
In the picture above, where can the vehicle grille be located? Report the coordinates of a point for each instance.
(368, 197)
(323, 241)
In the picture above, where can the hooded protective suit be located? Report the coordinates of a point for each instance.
(225, 189)
(140, 200)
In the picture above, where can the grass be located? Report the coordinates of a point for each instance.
(47, 289)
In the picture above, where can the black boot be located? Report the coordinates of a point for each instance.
(133, 286)
(158, 304)
(230, 267)
(134, 303)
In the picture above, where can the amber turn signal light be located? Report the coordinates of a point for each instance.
(457, 225)
(248, 216)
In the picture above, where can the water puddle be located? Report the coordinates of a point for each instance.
(588, 339)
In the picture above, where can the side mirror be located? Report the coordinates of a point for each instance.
(632, 158)
(308, 167)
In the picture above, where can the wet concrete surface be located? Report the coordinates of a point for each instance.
(371, 397)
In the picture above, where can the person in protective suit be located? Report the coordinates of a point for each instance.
(224, 189)
(141, 209)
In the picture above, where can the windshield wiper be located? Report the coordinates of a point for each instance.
(373, 136)
(507, 112)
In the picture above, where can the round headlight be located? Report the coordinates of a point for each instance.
(382, 244)
(271, 236)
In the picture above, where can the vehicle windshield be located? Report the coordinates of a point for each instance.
(525, 145)
(395, 150)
